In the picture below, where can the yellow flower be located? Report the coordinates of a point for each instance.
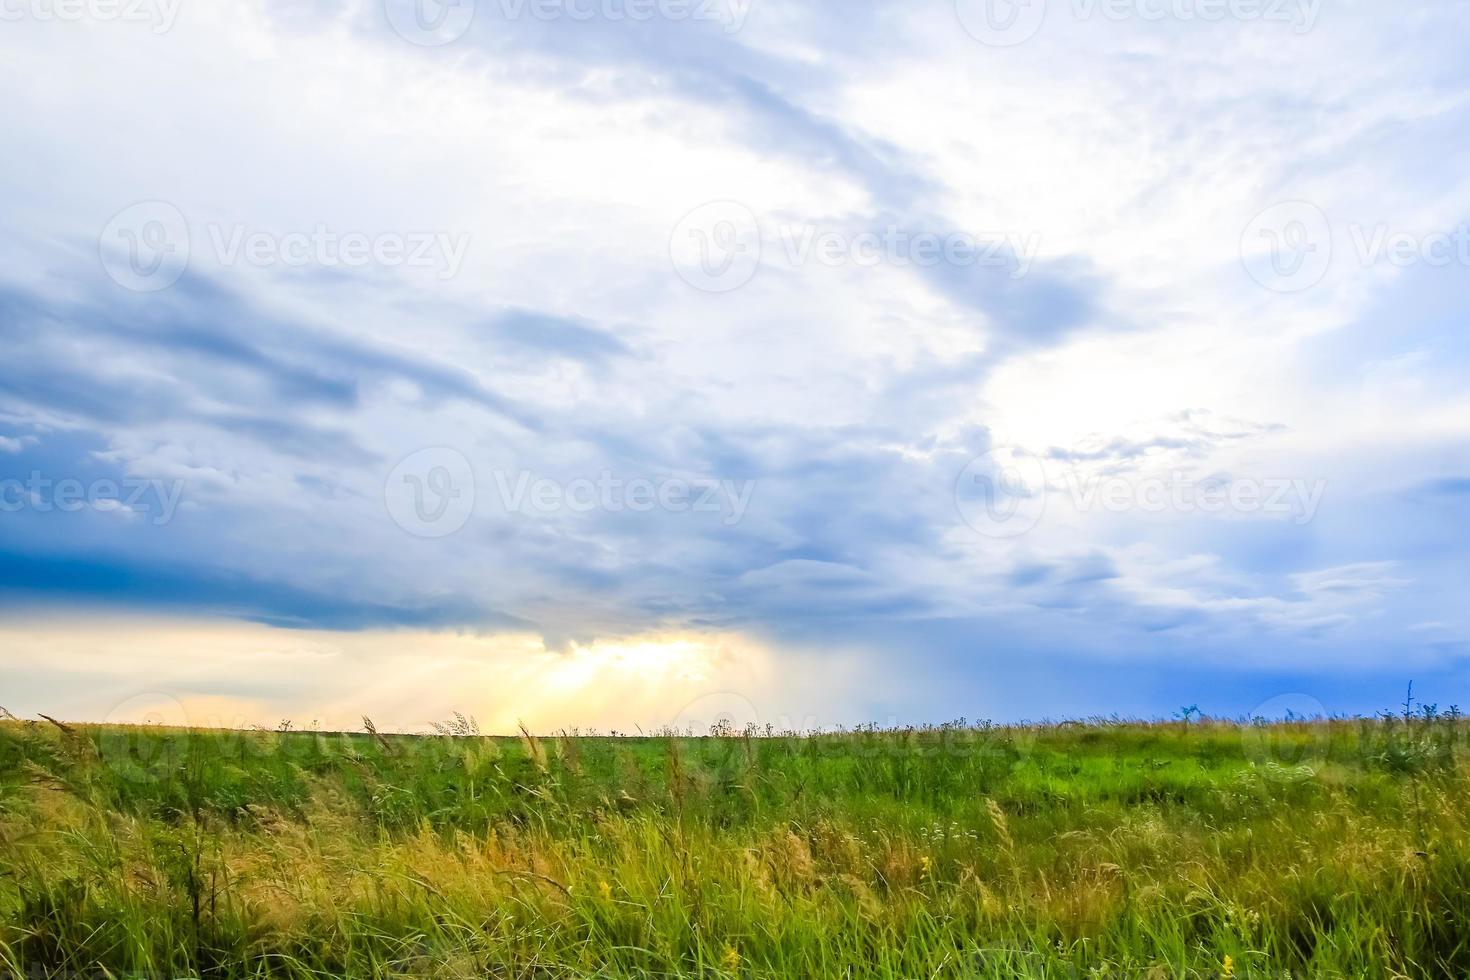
(926, 862)
(731, 957)
(1227, 969)
(605, 888)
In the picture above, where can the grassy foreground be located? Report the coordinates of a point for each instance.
(1211, 849)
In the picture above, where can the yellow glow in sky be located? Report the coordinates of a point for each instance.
(227, 674)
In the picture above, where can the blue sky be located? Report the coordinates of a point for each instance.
(602, 362)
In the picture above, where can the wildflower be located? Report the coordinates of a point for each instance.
(605, 889)
(1227, 969)
(926, 862)
(731, 958)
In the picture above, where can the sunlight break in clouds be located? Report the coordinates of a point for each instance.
(241, 675)
(890, 335)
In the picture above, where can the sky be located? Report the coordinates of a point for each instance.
(614, 364)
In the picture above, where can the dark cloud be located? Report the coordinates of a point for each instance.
(216, 345)
(32, 581)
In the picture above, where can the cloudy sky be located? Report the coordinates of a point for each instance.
(614, 362)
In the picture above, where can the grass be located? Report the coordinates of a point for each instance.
(1166, 849)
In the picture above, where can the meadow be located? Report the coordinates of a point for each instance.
(1194, 847)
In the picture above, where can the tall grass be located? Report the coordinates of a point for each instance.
(1188, 848)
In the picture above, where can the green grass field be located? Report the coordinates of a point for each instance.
(1108, 849)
